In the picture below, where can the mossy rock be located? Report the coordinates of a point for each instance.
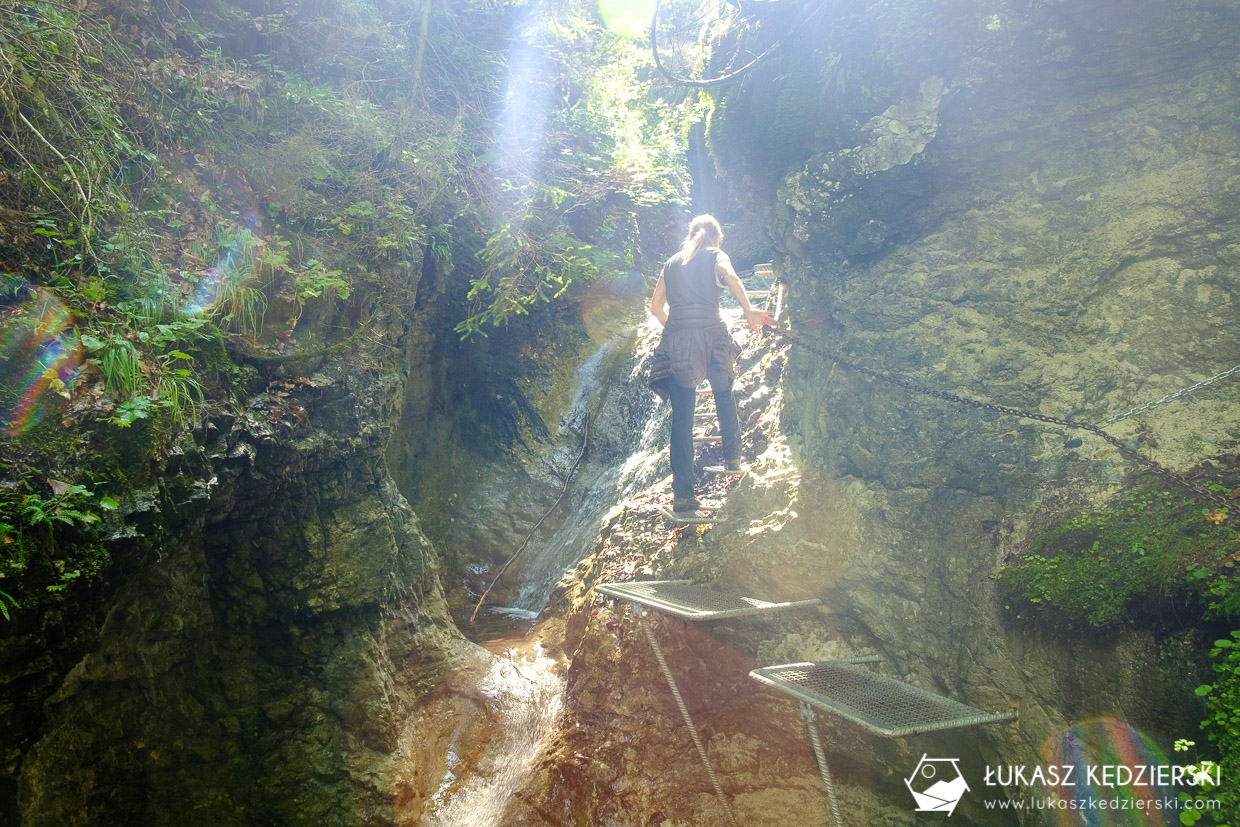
(1152, 552)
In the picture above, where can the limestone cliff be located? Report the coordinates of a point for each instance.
(1025, 204)
(263, 659)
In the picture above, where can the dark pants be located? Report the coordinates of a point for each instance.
(684, 401)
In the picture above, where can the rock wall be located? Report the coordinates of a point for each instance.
(279, 623)
(1026, 204)
(1040, 215)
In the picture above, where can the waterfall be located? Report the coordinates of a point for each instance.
(625, 430)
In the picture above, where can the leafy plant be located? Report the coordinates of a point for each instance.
(1222, 699)
(65, 505)
(177, 389)
(522, 270)
(4, 609)
(130, 411)
(314, 282)
(118, 357)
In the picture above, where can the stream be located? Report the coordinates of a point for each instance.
(525, 692)
(602, 482)
(524, 685)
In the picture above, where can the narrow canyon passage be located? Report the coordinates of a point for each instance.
(323, 322)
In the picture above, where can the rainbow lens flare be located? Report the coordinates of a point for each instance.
(39, 358)
(1105, 742)
(233, 264)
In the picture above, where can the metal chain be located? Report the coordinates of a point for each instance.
(1203, 383)
(808, 714)
(901, 382)
(684, 711)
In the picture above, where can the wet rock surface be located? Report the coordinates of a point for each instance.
(1045, 223)
(262, 660)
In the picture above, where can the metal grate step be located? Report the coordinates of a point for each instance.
(679, 598)
(882, 705)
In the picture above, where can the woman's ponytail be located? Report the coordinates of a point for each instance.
(704, 233)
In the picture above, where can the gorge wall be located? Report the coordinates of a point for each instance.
(1045, 219)
(262, 661)
(1028, 204)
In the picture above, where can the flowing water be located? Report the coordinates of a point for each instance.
(524, 686)
(525, 690)
(603, 481)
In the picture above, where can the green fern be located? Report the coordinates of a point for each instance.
(4, 609)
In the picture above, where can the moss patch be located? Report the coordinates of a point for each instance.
(1149, 555)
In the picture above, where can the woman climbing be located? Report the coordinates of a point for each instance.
(696, 345)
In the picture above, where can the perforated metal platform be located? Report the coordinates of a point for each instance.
(679, 598)
(882, 705)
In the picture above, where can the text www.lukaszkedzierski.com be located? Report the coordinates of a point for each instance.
(1091, 803)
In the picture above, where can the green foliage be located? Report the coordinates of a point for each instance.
(1153, 550)
(235, 280)
(1222, 699)
(5, 600)
(520, 272)
(172, 385)
(64, 506)
(70, 138)
(177, 390)
(608, 159)
(34, 554)
(316, 281)
(118, 357)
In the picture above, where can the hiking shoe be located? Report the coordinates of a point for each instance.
(736, 465)
(686, 504)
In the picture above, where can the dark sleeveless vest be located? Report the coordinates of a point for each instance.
(692, 291)
(695, 340)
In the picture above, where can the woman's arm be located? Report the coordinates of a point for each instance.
(658, 302)
(756, 318)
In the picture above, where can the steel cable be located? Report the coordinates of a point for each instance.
(684, 712)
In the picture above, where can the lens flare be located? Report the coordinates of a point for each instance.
(39, 358)
(627, 18)
(1099, 743)
(233, 262)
